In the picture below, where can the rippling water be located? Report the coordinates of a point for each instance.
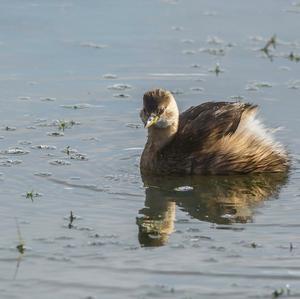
(77, 219)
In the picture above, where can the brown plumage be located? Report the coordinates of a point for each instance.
(212, 138)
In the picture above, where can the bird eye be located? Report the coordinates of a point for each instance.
(161, 111)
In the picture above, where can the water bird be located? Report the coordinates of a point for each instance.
(211, 138)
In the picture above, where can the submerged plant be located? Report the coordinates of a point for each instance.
(278, 293)
(294, 57)
(217, 69)
(73, 154)
(271, 42)
(7, 128)
(282, 291)
(20, 247)
(63, 124)
(71, 219)
(253, 245)
(67, 150)
(31, 194)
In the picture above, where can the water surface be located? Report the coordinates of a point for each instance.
(72, 77)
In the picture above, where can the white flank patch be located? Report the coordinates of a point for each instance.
(254, 126)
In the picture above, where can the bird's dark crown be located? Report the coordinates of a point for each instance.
(156, 100)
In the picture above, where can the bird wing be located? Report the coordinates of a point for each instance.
(207, 123)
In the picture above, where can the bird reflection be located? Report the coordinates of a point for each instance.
(216, 199)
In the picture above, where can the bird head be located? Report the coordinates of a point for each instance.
(159, 109)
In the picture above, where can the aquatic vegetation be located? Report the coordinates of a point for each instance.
(271, 45)
(282, 292)
(67, 150)
(217, 69)
(59, 162)
(120, 86)
(63, 124)
(32, 194)
(71, 219)
(272, 42)
(74, 154)
(20, 248)
(121, 95)
(56, 134)
(294, 57)
(21, 245)
(253, 245)
(7, 128)
(29, 195)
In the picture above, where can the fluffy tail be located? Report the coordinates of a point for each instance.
(251, 148)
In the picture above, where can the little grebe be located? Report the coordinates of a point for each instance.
(212, 138)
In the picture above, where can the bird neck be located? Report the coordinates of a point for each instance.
(160, 137)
